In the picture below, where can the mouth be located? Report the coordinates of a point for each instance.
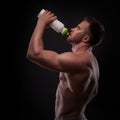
(69, 34)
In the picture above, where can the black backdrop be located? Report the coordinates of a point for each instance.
(35, 87)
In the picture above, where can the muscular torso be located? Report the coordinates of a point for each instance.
(75, 91)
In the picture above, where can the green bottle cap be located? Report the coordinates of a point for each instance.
(65, 31)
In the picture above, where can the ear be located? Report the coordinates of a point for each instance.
(86, 38)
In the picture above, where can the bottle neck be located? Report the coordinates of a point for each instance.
(65, 31)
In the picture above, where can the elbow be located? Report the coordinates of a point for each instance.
(30, 55)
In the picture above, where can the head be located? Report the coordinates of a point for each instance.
(89, 31)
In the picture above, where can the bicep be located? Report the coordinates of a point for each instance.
(65, 62)
(46, 59)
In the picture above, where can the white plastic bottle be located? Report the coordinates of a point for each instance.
(57, 25)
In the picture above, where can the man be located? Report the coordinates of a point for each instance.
(79, 69)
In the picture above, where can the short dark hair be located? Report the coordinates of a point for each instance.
(96, 30)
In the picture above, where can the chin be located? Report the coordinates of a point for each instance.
(68, 39)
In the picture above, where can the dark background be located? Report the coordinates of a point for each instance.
(34, 87)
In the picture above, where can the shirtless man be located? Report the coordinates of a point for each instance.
(79, 69)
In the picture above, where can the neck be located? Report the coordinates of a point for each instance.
(82, 47)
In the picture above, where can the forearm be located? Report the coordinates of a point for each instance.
(36, 41)
(36, 52)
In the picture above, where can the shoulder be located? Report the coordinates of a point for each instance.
(75, 61)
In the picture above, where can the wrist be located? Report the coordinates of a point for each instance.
(41, 24)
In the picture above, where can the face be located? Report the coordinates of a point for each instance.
(78, 33)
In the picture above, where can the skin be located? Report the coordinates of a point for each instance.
(79, 70)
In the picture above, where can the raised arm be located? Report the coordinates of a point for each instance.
(36, 42)
(49, 59)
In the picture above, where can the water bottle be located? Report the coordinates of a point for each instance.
(57, 25)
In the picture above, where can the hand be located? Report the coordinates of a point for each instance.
(47, 18)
